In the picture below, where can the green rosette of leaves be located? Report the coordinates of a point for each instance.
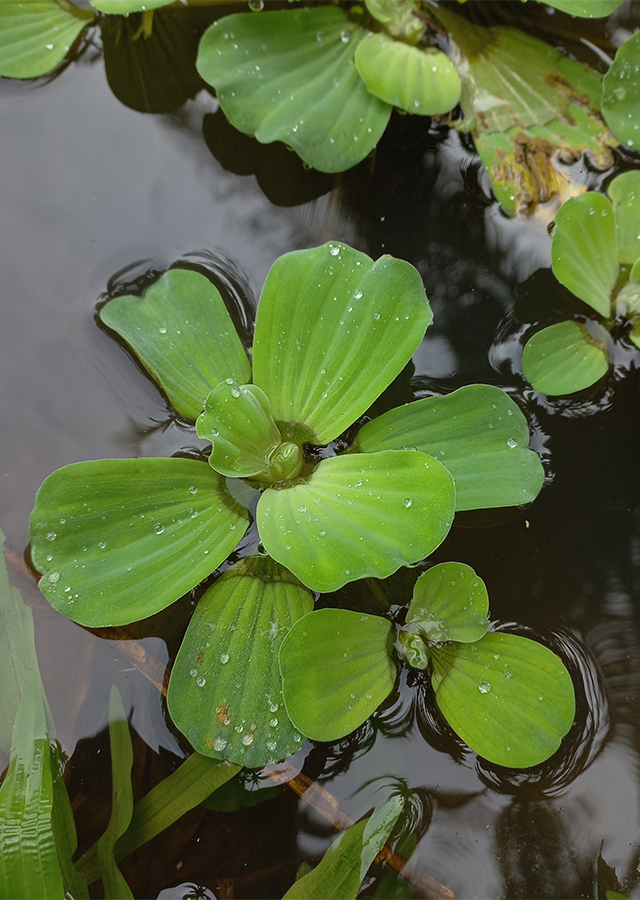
(595, 253)
(508, 697)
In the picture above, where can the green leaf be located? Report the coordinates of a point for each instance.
(124, 7)
(584, 252)
(509, 698)
(35, 35)
(624, 192)
(336, 670)
(358, 515)
(64, 830)
(238, 422)
(423, 82)
(115, 886)
(288, 76)
(188, 786)
(325, 356)
(28, 858)
(118, 540)
(341, 870)
(563, 359)
(450, 603)
(621, 93)
(477, 432)
(182, 333)
(225, 692)
(586, 9)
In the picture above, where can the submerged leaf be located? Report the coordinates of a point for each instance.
(324, 358)
(509, 698)
(358, 515)
(288, 75)
(225, 692)
(477, 432)
(118, 540)
(621, 93)
(35, 35)
(450, 603)
(422, 82)
(563, 359)
(336, 670)
(183, 335)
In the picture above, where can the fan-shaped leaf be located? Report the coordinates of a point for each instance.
(509, 698)
(624, 192)
(477, 432)
(336, 669)
(621, 93)
(563, 359)
(584, 251)
(182, 333)
(422, 82)
(118, 540)
(35, 35)
(450, 603)
(323, 359)
(225, 692)
(359, 515)
(288, 75)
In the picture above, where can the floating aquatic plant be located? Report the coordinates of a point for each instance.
(621, 93)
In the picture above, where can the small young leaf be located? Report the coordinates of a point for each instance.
(450, 603)
(118, 540)
(336, 670)
(360, 515)
(509, 698)
(225, 692)
(584, 251)
(341, 870)
(323, 359)
(624, 192)
(183, 334)
(288, 75)
(563, 359)
(35, 35)
(621, 93)
(477, 432)
(422, 82)
(238, 422)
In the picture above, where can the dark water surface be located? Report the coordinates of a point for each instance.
(88, 188)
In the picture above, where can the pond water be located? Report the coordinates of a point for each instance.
(95, 194)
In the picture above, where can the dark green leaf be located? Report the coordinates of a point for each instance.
(624, 192)
(509, 698)
(477, 432)
(288, 75)
(450, 603)
(182, 333)
(35, 35)
(336, 670)
(563, 359)
(621, 93)
(118, 540)
(325, 356)
(364, 514)
(225, 692)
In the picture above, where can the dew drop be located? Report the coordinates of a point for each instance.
(102, 544)
(224, 658)
(247, 738)
(193, 673)
(193, 489)
(162, 329)
(484, 687)
(51, 535)
(201, 681)
(407, 503)
(334, 251)
(54, 577)
(271, 746)
(512, 443)
(273, 722)
(158, 528)
(193, 513)
(219, 743)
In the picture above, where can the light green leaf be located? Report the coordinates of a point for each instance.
(624, 192)
(450, 603)
(325, 356)
(288, 75)
(586, 9)
(621, 93)
(189, 785)
(124, 7)
(238, 422)
(584, 252)
(563, 359)
(509, 698)
(423, 82)
(225, 692)
(29, 865)
(341, 870)
(358, 515)
(118, 540)
(336, 670)
(183, 335)
(35, 35)
(477, 432)
(115, 886)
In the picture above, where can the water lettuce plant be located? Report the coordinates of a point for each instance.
(595, 253)
(118, 540)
